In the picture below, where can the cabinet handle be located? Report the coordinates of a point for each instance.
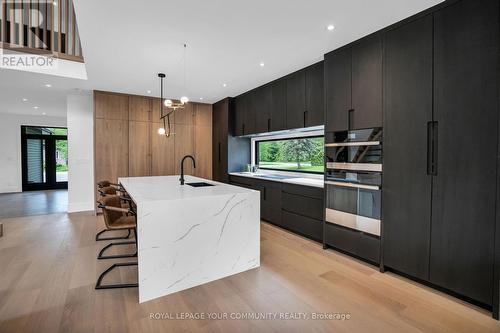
(349, 118)
(432, 139)
(219, 152)
(305, 118)
(243, 129)
(265, 194)
(269, 124)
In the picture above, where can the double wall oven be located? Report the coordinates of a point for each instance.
(353, 179)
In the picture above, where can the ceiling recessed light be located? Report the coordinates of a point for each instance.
(35, 107)
(224, 85)
(54, 3)
(201, 98)
(25, 99)
(48, 85)
(149, 91)
(330, 27)
(261, 64)
(43, 114)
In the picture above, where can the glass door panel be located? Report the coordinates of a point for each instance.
(61, 157)
(44, 158)
(36, 164)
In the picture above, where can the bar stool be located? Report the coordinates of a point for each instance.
(105, 188)
(117, 218)
(107, 183)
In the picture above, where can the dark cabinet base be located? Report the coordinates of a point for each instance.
(439, 288)
(302, 225)
(296, 208)
(355, 243)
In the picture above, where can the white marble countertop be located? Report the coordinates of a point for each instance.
(162, 188)
(306, 181)
(188, 236)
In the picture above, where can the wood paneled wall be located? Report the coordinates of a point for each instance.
(127, 142)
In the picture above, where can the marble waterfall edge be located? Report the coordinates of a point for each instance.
(186, 242)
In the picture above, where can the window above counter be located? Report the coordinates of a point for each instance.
(304, 153)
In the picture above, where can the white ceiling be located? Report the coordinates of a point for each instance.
(126, 43)
(16, 85)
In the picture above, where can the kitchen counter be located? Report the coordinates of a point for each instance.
(306, 181)
(189, 236)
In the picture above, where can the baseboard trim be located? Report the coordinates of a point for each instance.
(76, 207)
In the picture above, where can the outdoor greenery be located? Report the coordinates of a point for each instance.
(303, 154)
(62, 149)
(61, 167)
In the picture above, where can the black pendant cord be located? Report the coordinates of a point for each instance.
(166, 124)
(161, 95)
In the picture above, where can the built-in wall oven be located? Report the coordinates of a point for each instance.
(353, 179)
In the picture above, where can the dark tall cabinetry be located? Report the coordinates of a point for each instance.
(466, 111)
(295, 101)
(228, 153)
(440, 148)
(220, 130)
(277, 121)
(353, 78)
(407, 113)
(315, 91)
(304, 91)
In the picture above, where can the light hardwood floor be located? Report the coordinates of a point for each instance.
(48, 269)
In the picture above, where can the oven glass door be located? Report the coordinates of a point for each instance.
(354, 154)
(356, 201)
(369, 134)
(354, 177)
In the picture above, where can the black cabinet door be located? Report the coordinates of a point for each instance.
(272, 204)
(278, 105)
(220, 127)
(406, 190)
(270, 199)
(303, 225)
(295, 100)
(250, 115)
(239, 106)
(367, 83)
(362, 245)
(306, 206)
(315, 95)
(216, 144)
(466, 109)
(338, 89)
(262, 109)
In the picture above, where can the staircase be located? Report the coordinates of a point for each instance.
(40, 27)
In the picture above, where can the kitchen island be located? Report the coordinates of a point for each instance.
(188, 235)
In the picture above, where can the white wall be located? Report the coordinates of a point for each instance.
(10, 146)
(80, 153)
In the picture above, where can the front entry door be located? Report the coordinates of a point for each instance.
(44, 158)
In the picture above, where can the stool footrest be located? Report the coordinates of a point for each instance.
(127, 255)
(110, 238)
(99, 284)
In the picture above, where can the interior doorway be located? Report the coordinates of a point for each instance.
(44, 158)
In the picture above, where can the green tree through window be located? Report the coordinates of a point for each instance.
(294, 154)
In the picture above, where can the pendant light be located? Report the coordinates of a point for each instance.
(184, 99)
(165, 118)
(169, 104)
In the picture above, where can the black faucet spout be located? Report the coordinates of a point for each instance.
(182, 167)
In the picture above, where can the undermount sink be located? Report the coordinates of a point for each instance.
(200, 184)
